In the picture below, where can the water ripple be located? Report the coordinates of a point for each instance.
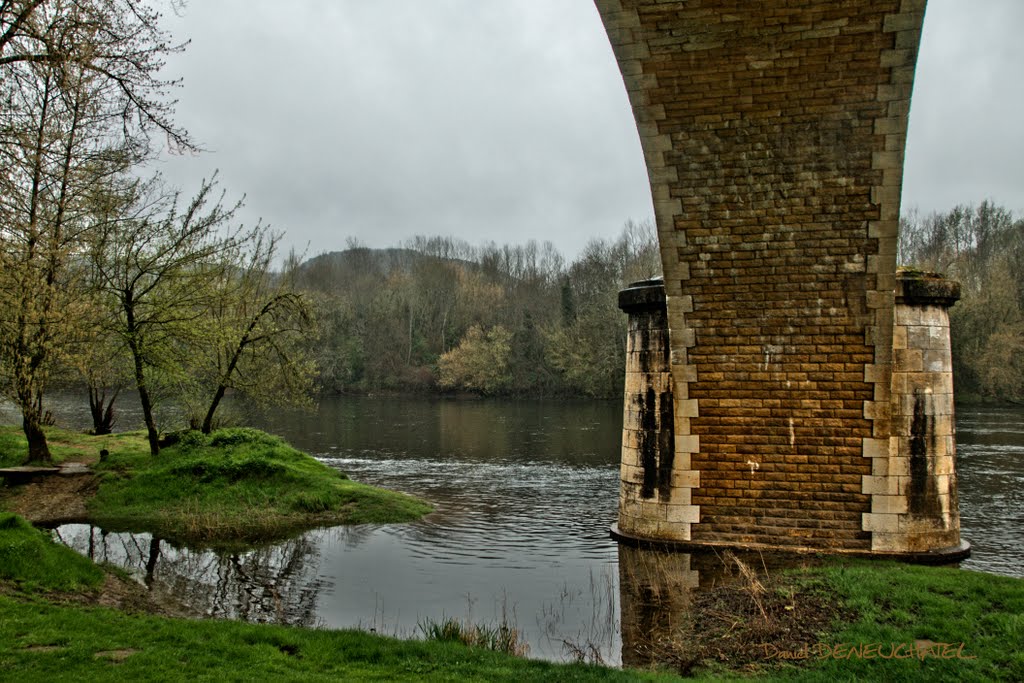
(502, 514)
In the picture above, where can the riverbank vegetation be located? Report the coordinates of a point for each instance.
(107, 278)
(48, 634)
(439, 314)
(840, 620)
(30, 560)
(983, 248)
(883, 621)
(231, 487)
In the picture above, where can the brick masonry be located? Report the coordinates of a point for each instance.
(773, 133)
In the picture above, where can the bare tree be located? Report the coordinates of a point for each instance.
(119, 42)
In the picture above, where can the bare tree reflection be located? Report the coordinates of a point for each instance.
(273, 584)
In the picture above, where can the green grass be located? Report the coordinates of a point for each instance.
(500, 637)
(236, 485)
(30, 560)
(233, 487)
(67, 445)
(47, 642)
(893, 604)
(900, 603)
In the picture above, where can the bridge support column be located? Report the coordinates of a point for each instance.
(914, 506)
(774, 134)
(655, 472)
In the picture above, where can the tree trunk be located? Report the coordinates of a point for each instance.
(102, 411)
(147, 414)
(32, 424)
(208, 420)
(146, 401)
(135, 347)
(154, 556)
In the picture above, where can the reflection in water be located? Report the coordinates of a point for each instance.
(274, 584)
(665, 607)
(656, 590)
(525, 492)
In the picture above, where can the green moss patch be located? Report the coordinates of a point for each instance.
(235, 485)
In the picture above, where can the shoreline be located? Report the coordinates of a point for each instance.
(232, 488)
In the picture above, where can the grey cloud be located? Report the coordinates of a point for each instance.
(507, 120)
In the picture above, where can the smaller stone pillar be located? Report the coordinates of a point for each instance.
(651, 502)
(914, 506)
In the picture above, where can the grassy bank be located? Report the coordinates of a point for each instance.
(863, 620)
(66, 445)
(887, 622)
(916, 623)
(234, 486)
(48, 642)
(45, 637)
(30, 560)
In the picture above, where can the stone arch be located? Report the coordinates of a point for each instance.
(774, 134)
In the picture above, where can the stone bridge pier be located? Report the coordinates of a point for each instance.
(786, 388)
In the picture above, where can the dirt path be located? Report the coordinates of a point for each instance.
(61, 497)
(53, 498)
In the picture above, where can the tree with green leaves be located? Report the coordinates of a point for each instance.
(257, 322)
(480, 361)
(80, 95)
(159, 269)
(983, 248)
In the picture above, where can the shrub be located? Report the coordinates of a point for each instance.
(237, 436)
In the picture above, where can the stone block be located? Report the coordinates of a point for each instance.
(888, 542)
(673, 531)
(880, 467)
(888, 504)
(687, 443)
(687, 408)
(686, 479)
(938, 361)
(907, 360)
(875, 448)
(683, 514)
(880, 486)
(880, 522)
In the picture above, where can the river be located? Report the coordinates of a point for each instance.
(524, 492)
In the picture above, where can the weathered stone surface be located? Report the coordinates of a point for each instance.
(774, 135)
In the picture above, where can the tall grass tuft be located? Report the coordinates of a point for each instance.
(500, 637)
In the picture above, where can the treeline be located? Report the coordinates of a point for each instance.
(440, 314)
(108, 279)
(982, 247)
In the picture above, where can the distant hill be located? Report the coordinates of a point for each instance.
(338, 269)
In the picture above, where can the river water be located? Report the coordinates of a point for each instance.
(524, 495)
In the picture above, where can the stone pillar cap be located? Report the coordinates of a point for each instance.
(922, 288)
(643, 295)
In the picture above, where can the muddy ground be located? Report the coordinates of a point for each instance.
(52, 499)
(61, 498)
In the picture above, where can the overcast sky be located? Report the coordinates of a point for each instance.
(507, 120)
